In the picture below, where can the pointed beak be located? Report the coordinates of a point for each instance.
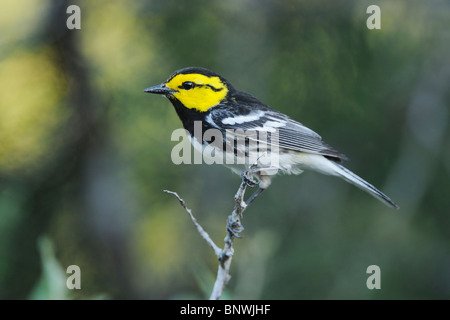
(160, 89)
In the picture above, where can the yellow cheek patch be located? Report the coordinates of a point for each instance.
(207, 93)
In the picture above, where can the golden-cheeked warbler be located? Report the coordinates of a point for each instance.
(242, 130)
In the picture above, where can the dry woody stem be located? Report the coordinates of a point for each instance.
(234, 228)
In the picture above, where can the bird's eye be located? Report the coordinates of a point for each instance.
(187, 85)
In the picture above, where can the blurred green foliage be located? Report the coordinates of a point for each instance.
(52, 283)
(85, 154)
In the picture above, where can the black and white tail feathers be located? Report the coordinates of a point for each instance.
(349, 176)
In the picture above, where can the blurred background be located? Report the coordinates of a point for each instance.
(85, 154)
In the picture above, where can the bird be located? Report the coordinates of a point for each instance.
(247, 131)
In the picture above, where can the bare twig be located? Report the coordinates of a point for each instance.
(234, 228)
(200, 230)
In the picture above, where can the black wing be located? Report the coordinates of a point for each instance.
(292, 135)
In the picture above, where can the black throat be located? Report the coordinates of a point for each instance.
(189, 116)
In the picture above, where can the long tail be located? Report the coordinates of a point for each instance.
(349, 176)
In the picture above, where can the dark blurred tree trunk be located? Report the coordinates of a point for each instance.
(82, 172)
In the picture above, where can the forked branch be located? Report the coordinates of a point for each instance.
(234, 228)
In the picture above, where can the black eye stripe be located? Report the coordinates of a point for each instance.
(213, 88)
(188, 85)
